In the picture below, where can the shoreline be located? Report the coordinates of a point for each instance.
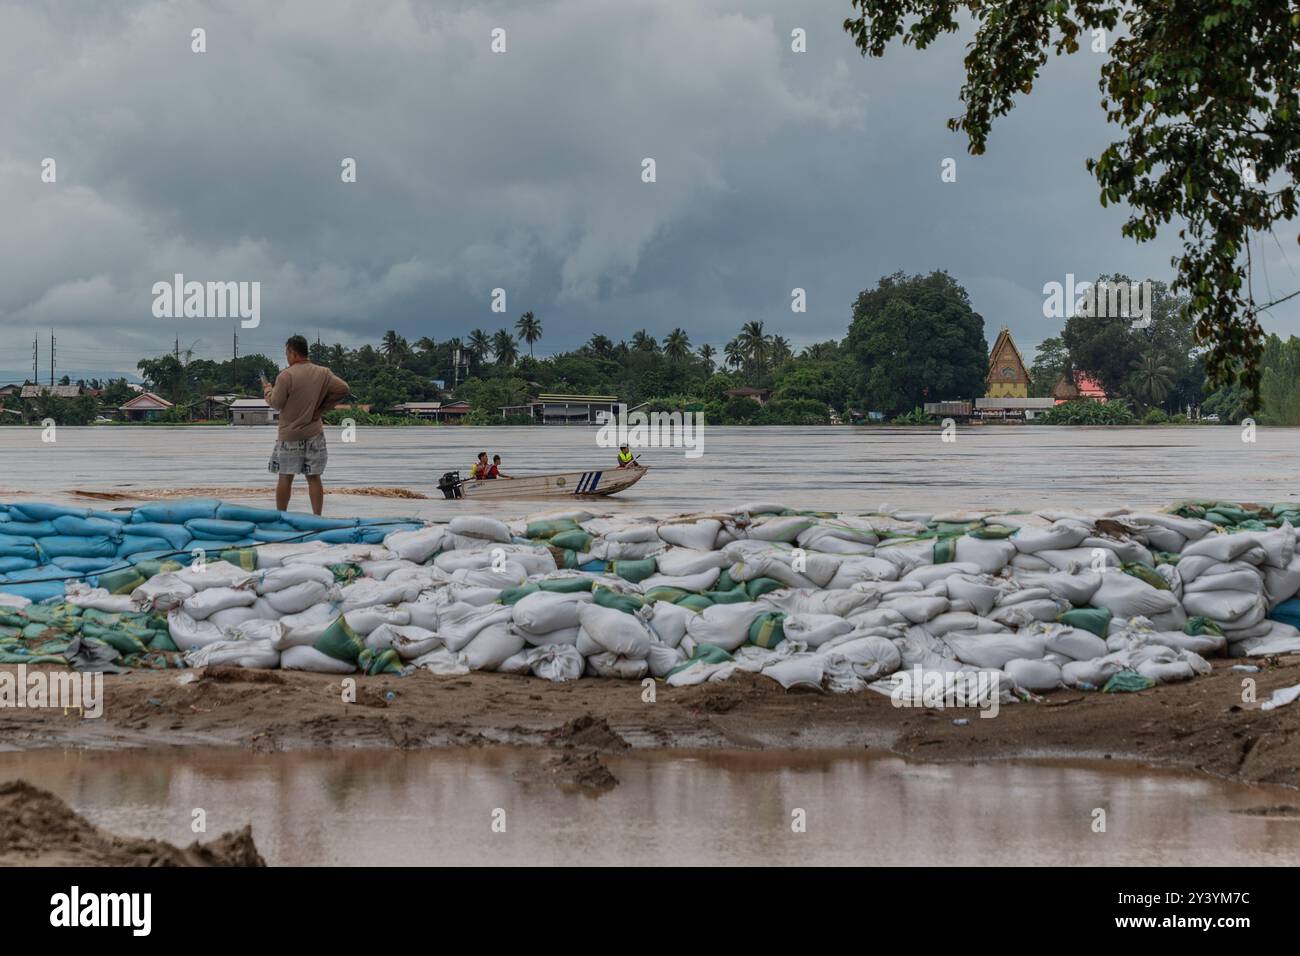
(1198, 727)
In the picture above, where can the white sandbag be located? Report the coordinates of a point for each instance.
(188, 633)
(1227, 576)
(273, 554)
(1166, 672)
(906, 555)
(564, 635)
(701, 535)
(780, 528)
(419, 545)
(380, 570)
(916, 608)
(951, 621)
(995, 650)
(365, 592)
(841, 603)
(607, 664)
(422, 613)
(203, 604)
(801, 670)
(927, 574)
(544, 611)
(458, 624)
(491, 647)
(298, 597)
(511, 574)
(1235, 608)
(1072, 642)
(982, 592)
(162, 592)
(84, 596)
(261, 630)
(479, 526)
(637, 534)
(1025, 613)
(828, 541)
(604, 549)
(1081, 559)
(667, 622)
(1058, 536)
(1128, 552)
(847, 529)
(203, 575)
(725, 625)
(990, 554)
(338, 554)
(1226, 547)
(553, 662)
(258, 655)
(624, 635)
(1281, 584)
(1033, 675)
(1077, 588)
(662, 658)
(306, 658)
(880, 617)
(1029, 562)
(409, 642)
(365, 619)
(442, 662)
(230, 617)
(1095, 672)
(855, 569)
(277, 579)
(704, 581)
(870, 657)
(1127, 596)
(681, 561)
(814, 630)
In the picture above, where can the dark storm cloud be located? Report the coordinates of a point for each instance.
(476, 170)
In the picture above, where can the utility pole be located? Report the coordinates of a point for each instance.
(177, 353)
(236, 343)
(52, 361)
(36, 359)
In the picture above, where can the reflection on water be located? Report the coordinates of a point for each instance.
(436, 807)
(841, 469)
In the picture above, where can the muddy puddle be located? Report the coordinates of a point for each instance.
(496, 806)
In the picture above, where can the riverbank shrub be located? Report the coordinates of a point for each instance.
(1088, 412)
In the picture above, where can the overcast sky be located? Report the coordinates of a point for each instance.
(522, 170)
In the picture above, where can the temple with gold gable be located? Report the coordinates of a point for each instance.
(1006, 392)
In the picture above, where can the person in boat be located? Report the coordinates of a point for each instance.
(480, 469)
(625, 459)
(495, 471)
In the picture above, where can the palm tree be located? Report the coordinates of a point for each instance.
(530, 330)
(707, 352)
(754, 346)
(503, 347)
(479, 344)
(678, 345)
(425, 344)
(1150, 380)
(735, 353)
(642, 341)
(600, 345)
(780, 349)
(394, 347)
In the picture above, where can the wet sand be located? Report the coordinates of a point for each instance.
(1200, 726)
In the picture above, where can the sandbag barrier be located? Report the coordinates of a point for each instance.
(1121, 601)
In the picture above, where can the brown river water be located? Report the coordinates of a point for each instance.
(830, 468)
(407, 808)
(340, 808)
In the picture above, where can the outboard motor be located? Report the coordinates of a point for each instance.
(449, 485)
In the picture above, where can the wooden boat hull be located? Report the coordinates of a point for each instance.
(569, 484)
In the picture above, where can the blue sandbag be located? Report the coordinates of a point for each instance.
(244, 513)
(217, 528)
(339, 536)
(1288, 612)
(41, 591)
(177, 512)
(18, 546)
(40, 512)
(270, 534)
(376, 534)
(86, 565)
(277, 526)
(60, 545)
(33, 529)
(87, 527)
(121, 517)
(135, 543)
(10, 565)
(316, 523)
(393, 521)
(176, 535)
(218, 544)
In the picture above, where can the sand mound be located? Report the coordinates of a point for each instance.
(39, 829)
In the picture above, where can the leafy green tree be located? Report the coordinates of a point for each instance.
(503, 348)
(916, 337)
(1208, 94)
(643, 341)
(1150, 380)
(706, 355)
(678, 345)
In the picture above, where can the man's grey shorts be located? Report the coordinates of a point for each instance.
(299, 457)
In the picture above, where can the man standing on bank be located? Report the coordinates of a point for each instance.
(302, 393)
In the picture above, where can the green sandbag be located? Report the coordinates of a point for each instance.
(374, 662)
(161, 641)
(945, 550)
(736, 595)
(345, 573)
(708, 653)
(757, 587)
(13, 619)
(1202, 625)
(1127, 682)
(122, 581)
(1149, 575)
(1095, 619)
(725, 581)
(126, 644)
(661, 593)
(341, 642)
(243, 558)
(572, 540)
(513, 595)
(634, 571)
(696, 602)
(566, 585)
(549, 529)
(993, 531)
(768, 630)
(608, 597)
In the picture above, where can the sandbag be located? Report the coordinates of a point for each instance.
(1033, 675)
(479, 526)
(624, 635)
